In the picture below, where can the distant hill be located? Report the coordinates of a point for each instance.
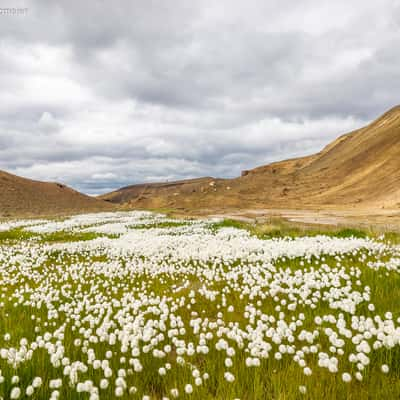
(21, 197)
(359, 169)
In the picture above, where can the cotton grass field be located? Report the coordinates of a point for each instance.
(137, 305)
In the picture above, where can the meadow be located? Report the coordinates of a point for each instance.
(139, 305)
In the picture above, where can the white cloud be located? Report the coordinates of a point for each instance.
(148, 91)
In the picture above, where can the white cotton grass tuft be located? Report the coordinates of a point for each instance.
(385, 368)
(188, 388)
(15, 393)
(346, 377)
(229, 377)
(302, 389)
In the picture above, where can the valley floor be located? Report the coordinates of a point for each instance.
(388, 219)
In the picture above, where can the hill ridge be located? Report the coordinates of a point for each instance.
(23, 197)
(358, 169)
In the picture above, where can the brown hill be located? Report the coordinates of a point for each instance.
(139, 192)
(25, 197)
(359, 169)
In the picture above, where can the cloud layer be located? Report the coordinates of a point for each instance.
(99, 95)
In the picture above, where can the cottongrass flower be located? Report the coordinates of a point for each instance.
(229, 377)
(302, 389)
(385, 368)
(29, 390)
(346, 377)
(104, 384)
(358, 376)
(37, 382)
(198, 381)
(15, 393)
(188, 388)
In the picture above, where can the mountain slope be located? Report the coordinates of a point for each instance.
(157, 195)
(359, 169)
(25, 197)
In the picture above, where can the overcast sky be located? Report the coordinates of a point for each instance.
(101, 94)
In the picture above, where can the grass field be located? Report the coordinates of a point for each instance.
(138, 305)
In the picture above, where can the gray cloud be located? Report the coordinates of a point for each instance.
(100, 95)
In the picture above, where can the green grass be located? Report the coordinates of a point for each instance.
(392, 237)
(15, 235)
(72, 236)
(279, 228)
(160, 225)
(230, 223)
(350, 232)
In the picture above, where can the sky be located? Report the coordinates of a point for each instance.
(103, 94)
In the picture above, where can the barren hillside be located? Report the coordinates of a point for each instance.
(359, 169)
(25, 197)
